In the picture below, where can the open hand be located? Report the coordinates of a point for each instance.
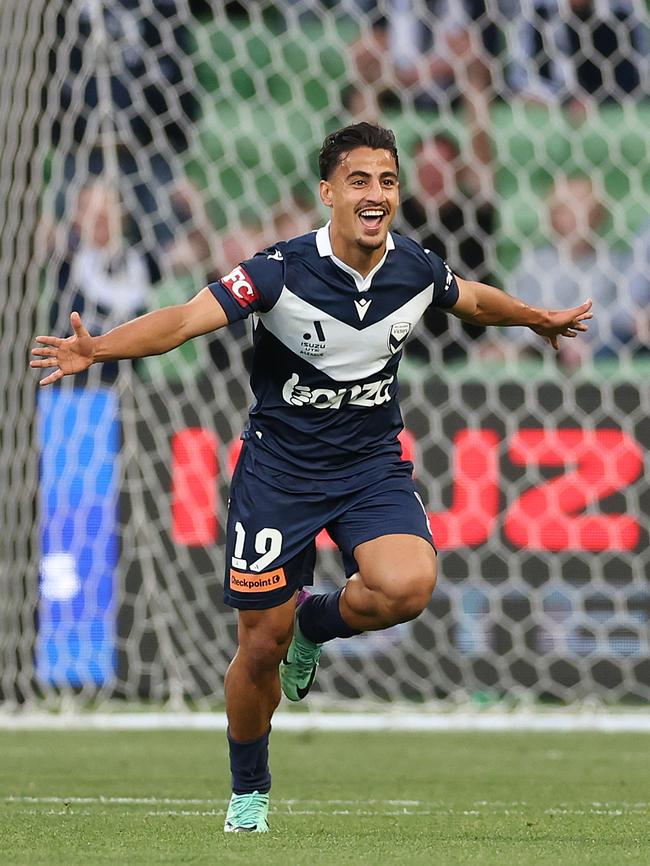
(564, 323)
(70, 355)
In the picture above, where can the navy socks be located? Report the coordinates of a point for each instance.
(320, 619)
(249, 765)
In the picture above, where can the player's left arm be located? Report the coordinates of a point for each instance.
(486, 305)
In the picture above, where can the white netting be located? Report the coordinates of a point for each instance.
(147, 147)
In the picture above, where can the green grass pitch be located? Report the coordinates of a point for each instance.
(134, 799)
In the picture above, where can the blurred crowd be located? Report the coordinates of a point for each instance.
(123, 217)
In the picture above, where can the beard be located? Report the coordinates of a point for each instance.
(371, 243)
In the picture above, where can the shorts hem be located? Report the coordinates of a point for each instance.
(258, 603)
(381, 534)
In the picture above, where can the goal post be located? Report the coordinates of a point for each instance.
(22, 154)
(146, 148)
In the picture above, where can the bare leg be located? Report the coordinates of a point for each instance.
(252, 686)
(397, 574)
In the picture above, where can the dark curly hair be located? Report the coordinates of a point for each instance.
(350, 137)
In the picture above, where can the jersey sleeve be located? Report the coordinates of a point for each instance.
(253, 286)
(445, 287)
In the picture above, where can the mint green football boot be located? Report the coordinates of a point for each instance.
(298, 669)
(247, 813)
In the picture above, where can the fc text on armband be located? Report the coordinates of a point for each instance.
(242, 288)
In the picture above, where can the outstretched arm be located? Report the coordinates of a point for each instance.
(486, 305)
(151, 334)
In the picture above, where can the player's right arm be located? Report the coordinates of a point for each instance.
(152, 334)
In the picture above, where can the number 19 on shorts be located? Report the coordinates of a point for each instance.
(268, 543)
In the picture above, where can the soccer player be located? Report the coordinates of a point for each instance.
(331, 311)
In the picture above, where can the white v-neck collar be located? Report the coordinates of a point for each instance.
(324, 247)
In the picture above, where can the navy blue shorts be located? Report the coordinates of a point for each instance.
(274, 518)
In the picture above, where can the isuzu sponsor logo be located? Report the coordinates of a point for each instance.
(313, 344)
(368, 395)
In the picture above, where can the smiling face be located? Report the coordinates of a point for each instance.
(363, 195)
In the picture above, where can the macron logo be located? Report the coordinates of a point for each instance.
(362, 307)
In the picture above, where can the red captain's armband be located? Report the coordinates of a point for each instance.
(241, 287)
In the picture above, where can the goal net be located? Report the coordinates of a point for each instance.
(148, 147)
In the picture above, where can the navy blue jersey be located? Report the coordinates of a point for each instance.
(327, 344)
